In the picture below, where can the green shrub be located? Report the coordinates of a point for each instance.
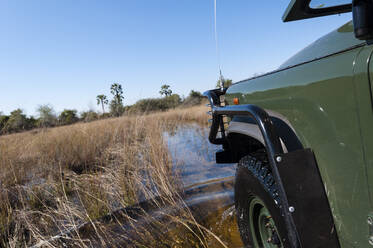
(194, 98)
(47, 116)
(156, 104)
(88, 116)
(17, 121)
(3, 120)
(68, 116)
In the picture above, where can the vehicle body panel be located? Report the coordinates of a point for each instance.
(336, 41)
(363, 89)
(326, 101)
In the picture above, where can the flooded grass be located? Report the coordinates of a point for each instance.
(115, 182)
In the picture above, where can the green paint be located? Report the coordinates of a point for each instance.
(328, 103)
(261, 223)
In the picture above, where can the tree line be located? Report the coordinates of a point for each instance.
(18, 121)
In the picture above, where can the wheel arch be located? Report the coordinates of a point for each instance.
(244, 135)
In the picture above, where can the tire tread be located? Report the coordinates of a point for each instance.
(260, 170)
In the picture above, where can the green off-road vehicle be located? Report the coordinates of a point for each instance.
(303, 139)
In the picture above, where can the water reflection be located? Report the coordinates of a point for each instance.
(193, 156)
(208, 186)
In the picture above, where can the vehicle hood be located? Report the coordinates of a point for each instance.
(340, 39)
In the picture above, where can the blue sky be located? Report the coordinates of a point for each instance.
(66, 52)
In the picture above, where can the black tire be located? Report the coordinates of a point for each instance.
(254, 183)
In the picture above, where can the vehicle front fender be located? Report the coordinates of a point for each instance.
(246, 126)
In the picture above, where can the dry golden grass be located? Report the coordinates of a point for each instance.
(54, 180)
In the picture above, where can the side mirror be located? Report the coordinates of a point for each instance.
(362, 12)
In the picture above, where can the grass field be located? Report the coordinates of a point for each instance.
(56, 179)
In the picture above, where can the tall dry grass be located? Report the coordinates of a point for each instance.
(74, 182)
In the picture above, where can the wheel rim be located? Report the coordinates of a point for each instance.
(263, 229)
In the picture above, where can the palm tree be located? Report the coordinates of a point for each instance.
(116, 104)
(165, 90)
(102, 99)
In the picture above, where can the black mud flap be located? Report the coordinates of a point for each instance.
(224, 157)
(307, 199)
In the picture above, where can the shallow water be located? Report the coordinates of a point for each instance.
(209, 186)
(193, 156)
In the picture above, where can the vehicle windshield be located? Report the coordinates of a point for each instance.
(317, 4)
